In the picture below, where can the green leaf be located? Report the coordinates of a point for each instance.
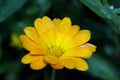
(97, 7)
(103, 10)
(9, 7)
(102, 68)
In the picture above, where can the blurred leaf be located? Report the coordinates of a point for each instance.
(32, 10)
(44, 6)
(15, 41)
(0, 47)
(101, 68)
(103, 10)
(109, 49)
(97, 7)
(46, 75)
(117, 10)
(9, 66)
(4, 67)
(9, 7)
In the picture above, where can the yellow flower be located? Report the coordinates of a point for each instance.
(57, 43)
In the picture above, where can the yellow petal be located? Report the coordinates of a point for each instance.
(80, 38)
(38, 64)
(63, 29)
(31, 46)
(59, 65)
(65, 26)
(66, 22)
(74, 30)
(50, 59)
(46, 29)
(84, 51)
(78, 53)
(42, 24)
(59, 36)
(68, 36)
(33, 35)
(56, 22)
(68, 62)
(28, 58)
(89, 46)
(51, 32)
(81, 64)
(59, 39)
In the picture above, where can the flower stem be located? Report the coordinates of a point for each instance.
(53, 74)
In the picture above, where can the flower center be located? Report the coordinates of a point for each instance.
(54, 51)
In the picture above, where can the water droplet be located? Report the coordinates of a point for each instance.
(111, 7)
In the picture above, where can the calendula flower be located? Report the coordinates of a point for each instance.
(57, 43)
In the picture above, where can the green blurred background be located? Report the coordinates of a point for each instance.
(101, 17)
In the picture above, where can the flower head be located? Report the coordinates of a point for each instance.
(57, 43)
